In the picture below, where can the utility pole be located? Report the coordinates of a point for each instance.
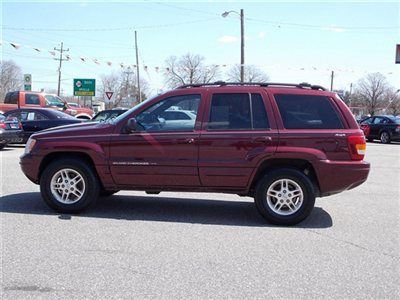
(139, 96)
(351, 91)
(332, 76)
(61, 50)
(241, 46)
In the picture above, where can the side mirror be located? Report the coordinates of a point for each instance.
(131, 126)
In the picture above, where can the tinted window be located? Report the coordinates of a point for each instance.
(152, 119)
(260, 119)
(307, 112)
(32, 99)
(367, 121)
(237, 112)
(11, 98)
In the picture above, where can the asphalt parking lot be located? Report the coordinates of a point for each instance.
(188, 245)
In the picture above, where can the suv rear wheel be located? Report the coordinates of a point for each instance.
(285, 196)
(69, 185)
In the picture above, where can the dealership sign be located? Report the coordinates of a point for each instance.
(84, 87)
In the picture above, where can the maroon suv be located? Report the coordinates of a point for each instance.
(283, 144)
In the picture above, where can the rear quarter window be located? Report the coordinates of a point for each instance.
(307, 112)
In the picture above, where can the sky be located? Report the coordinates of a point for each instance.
(290, 41)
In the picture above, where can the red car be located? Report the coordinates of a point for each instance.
(283, 144)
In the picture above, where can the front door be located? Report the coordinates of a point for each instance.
(163, 151)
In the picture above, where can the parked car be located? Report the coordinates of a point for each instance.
(33, 120)
(9, 132)
(383, 128)
(283, 144)
(108, 114)
(28, 99)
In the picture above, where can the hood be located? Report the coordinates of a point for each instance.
(76, 130)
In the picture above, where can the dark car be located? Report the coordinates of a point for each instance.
(283, 144)
(33, 120)
(108, 114)
(383, 128)
(10, 132)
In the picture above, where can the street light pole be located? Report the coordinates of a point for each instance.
(241, 46)
(241, 15)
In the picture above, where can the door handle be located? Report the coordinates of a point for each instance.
(262, 139)
(185, 141)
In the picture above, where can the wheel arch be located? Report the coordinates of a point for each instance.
(49, 158)
(301, 165)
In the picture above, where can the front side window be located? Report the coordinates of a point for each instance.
(166, 115)
(237, 112)
(32, 99)
(307, 112)
(54, 101)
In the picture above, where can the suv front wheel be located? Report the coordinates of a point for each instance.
(285, 196)
(69, 185)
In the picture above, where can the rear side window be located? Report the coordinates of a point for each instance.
(237, 112)
(307, 112)
(32, 99)
(11, 98)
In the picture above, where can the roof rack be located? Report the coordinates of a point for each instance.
(262, 84)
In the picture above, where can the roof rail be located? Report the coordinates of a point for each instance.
(262, 84)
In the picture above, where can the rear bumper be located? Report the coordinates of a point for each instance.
(11, 136)
(338, 176)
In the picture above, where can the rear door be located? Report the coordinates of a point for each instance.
(238, 131)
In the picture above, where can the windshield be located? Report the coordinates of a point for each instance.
(127, 113)
(54, 101)
(396, 120)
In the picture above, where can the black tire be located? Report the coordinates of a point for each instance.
(384, 137)
(104, 193)
(90, 194)
(303, 210)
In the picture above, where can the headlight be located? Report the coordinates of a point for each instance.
(29, 145)
(73, 112)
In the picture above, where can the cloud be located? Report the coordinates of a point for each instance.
(261, 35)
(335, 28)
(225, 39)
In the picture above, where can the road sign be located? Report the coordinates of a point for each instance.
(27, 79)
(109, 95)
(84, 87)
(27, 82)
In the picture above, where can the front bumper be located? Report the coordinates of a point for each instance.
(30, 167)
(338, 176)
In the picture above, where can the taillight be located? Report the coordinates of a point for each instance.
(20, 125)
(3, 125)
(357, 146)
(397, 128)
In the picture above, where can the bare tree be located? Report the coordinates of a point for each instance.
(188, 69)
(10, 78)
(371, 91)
(393, 102)
(124, 86)
(251, 74)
